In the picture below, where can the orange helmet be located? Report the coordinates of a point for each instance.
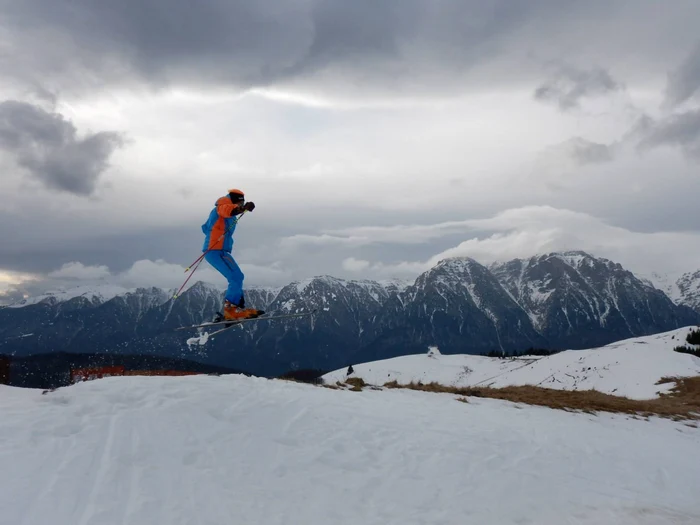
(236, 194)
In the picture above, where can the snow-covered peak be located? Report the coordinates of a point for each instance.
(346, 298)
(563, 290)
(458, 274)
(574, 258)
(395, 284)
(99, 293)
(262, 289)
(388, 285)
(149, 297)
(303, 284)
(457, 264)
(205, 288)
(454, 272)
(682, 289)
(665, 282)
(689, 287)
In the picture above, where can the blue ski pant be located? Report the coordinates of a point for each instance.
(225, 264)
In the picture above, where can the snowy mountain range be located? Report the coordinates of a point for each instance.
(558, 301)
(94, 293)
(562, 291)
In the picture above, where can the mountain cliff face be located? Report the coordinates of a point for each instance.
(561, 300)
(689, 288)
(683, 290)
(459, 306)
(574, 299)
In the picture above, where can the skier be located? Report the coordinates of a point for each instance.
(218, 244)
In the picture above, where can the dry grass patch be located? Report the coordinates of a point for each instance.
(665, 380)
(356, 382)
(681, 403)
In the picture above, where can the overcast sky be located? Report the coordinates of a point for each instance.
(374, 137)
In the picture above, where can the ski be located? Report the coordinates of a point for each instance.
(239, 321)
(207, 336)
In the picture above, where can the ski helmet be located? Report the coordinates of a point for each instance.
(236, 195)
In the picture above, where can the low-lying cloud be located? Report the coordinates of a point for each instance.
(528, 231)
(142, 274)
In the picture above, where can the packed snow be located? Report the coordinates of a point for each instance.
(235, 449)
(629, 368)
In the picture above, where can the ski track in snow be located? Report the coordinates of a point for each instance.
(236, 449)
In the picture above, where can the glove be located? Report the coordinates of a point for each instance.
(249, 206)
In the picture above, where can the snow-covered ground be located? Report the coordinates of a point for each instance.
(628, 368)
(233, 449)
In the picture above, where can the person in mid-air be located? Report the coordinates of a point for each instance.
(218, 244)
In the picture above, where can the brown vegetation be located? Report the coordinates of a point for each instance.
(356, 382)
(682, 402)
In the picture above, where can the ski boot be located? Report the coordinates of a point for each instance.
(234, 312)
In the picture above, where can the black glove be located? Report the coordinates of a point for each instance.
(249, 206)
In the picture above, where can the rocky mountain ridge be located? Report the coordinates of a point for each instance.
(558, 300)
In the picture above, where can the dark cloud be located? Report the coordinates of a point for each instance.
(585, 152)
(558, 160)
(47, 145)
(252, 44)
(397, 46)
(681, 130)
(569, 85)
(684, 82)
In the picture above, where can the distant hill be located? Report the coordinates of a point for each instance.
(54, 370)
(630, 368)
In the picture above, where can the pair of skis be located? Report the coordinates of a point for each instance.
(230, 324)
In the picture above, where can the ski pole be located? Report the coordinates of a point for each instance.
(177, 294)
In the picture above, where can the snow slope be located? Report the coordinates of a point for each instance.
(234, 449)
(628, 368)
(666, 282)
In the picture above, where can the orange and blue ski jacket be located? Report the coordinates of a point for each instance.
(221, 220)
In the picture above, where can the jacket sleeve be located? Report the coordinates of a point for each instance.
(227, 209)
